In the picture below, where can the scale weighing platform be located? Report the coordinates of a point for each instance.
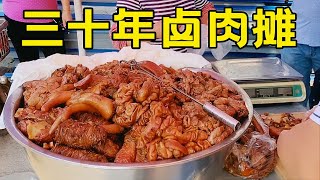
(266, 80)
(272, 85)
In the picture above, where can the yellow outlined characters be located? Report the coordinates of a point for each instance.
(131, 25)
(190, 37)
(88, 25)
(286, 27)
(274, 27)
(229, 21)
(39, 14)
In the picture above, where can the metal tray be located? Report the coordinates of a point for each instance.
(256, 69)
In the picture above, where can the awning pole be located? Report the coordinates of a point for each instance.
(78, 12)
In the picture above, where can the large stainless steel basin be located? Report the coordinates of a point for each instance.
(204, 165)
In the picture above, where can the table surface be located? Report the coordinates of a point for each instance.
(13, 159)
(280, 108)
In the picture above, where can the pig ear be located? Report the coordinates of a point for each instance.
(84, 83)
(168, 70)
(152, 67)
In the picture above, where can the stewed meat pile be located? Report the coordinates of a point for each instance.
(115, 113)
(276, 125)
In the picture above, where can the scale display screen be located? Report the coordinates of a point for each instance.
(270, 92)
(275, 92)
(285, 91)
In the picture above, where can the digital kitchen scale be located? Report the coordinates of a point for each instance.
(266, 80)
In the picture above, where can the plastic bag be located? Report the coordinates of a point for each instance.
(253, 160)
(204, 41)
(259, 124)
(222, 50)
(219, 53)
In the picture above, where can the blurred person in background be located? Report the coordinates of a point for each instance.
(161, 9)
(13, 11)
(306, 56)
(315, 90)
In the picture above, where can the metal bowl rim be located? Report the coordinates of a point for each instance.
(11, 127)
